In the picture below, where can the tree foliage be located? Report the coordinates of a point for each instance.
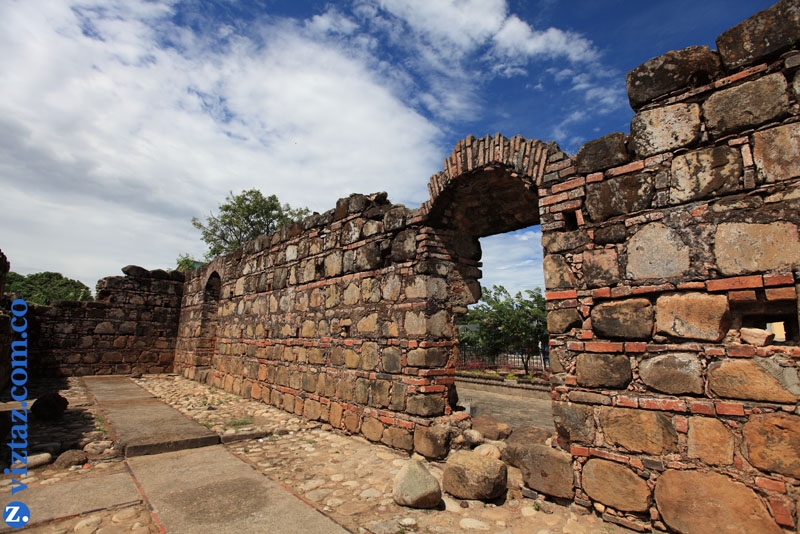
(500, 323)
(244, 217)
(46, 288)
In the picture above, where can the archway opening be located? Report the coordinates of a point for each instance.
(207, 341)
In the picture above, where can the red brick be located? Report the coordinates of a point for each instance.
(630, 167)
(747, 295)
(553, 199)
(566, 206)
(739, 282)
(769, 484)
(781, 293)
(626, 401)
(692, 285)
(577, 450)
(771, 280)
(741, 351)
(715, 351)
(635, 346)
(681, 423)
(571, 380)
(614, 457)
(603, 346)
(729, 408)
(585, 335)
(574, 345)
(781, 511)
(602, 293)
(569, 184)
(671, 405)
(641, 290)
(594, 177)
(620, 291)
(561, 295)
(637, 463)
(702, 407)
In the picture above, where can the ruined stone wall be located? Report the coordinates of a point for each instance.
(130, 328)
(5, 326)
(669, 251)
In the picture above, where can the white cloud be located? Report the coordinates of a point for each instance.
(112, 140)
(513, 260)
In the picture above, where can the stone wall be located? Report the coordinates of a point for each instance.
(5, 326)
(669, 251)
(131, 327)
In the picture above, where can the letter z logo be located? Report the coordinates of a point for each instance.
(16, 514)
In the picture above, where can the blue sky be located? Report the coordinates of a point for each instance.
(120, 120)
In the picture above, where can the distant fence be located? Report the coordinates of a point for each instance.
(474, 358)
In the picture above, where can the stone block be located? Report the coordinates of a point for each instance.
(765, 34)
(603, 370)
(557, 272)
(548, 471)
(560, 321)
(601, 267)
(772, 443)
(615, 485)
(425, 405)
(619, 196)
(404, 246)
(415, 487)
(756, 336)
(399, 438)
(574, 423)
(753, 379)
(392, 360)
(765, 99)
(468, 475)
(679, 69)
(623, 319)
(603, 153)
(432, 441)
(665, 129)
(415, 324)
(379, 393)
(370, 356)
(693, 316)
(676, 373)
(710, 441)
(372, 429)
(431, 357)
(555, 242)
(398, 402)
(705, 173)
(657, 251)
(361, 391)
(490, 427)
(742, 248)
(643, 431)
(694, 501)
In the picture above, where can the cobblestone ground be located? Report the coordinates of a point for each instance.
(345, 477)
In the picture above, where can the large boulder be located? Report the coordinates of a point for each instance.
(416, 487)
(548, 471)
(519, 442)
(432, 441)
(468, 475)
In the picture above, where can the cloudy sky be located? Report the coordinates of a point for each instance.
(120, 120)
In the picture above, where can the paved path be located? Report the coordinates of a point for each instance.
(514, 410)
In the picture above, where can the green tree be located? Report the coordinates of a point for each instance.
(187, 263)
(500, 323)
(244, 217)
(46, 288)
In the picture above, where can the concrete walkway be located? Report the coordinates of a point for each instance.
(176, 467)
(514, 409)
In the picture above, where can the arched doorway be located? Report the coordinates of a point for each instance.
(206, 344)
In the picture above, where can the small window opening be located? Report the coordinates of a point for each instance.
(570, 221)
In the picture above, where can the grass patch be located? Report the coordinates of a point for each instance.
(240, 422)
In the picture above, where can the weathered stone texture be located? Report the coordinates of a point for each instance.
(706, 172)
(664, 129)
(693, 501)
(416, 487)
(491, 427)
(750, 380)
(615, 485)
(776, 152)
(764, 99)
(468, 475)
(574, 423)
(618, 196)
(676, 374)
(557, 273)
(742, 248)
(679, 69)
(772, 443)
(603, 153)
(520, 441)
(624, 319)
(639, 430)
(710, 441)
(603, 370)
(693, 316)
(560, 321)
(601, 267)
(548, 471)
(432, 441)
(657, 251)
(765, 34)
